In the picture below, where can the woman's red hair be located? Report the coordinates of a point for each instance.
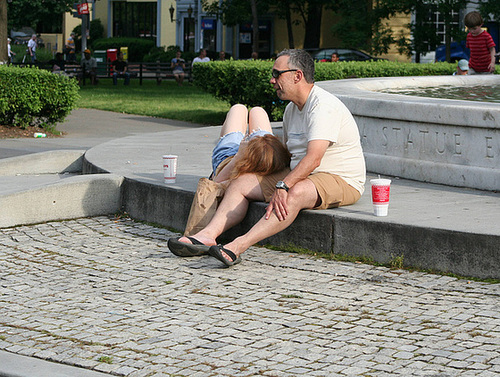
(263, 155)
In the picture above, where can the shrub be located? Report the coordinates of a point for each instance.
(238, 81)
(42, 54)
(137, 47)
(34, 97)
(247, 82)
(166, 55)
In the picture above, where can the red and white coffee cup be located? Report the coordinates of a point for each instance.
(381, 189)
(169, 168)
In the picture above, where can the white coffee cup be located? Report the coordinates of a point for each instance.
(169, 168)
(381, 189)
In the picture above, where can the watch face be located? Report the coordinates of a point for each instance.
(281, 185)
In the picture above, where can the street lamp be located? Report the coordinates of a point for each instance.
(172, 11)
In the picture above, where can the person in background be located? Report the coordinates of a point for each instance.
(120, 67)
(178, 65)
(32, 48)
(10, 53)
(89, 67)
(202, 57)
(333, 58)
(70, 48)
(58, 64)
(222, 55)
(462, 68)
(254, 56)
(481, 45)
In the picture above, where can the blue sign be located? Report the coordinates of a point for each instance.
(207, 24)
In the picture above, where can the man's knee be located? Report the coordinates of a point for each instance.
(303, 195)
(247, 185)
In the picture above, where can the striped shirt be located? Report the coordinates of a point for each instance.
(479, 45)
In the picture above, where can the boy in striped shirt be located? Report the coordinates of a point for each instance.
(481, 45)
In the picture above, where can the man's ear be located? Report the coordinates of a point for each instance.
(299, 75)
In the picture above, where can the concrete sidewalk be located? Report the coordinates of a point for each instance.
(86, 128)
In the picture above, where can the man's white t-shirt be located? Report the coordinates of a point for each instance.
(32, 45)
(325, 117)
(199, 60)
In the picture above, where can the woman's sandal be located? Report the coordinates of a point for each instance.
(182, 249)
(216, 252)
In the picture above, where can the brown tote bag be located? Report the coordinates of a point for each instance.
(206, 200)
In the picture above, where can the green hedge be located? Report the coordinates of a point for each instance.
(165, 55)
(247, 82)
(137, 47)
(34, 97)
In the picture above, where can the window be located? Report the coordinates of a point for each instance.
(137, 20)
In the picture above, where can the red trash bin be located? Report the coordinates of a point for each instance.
(111, 55)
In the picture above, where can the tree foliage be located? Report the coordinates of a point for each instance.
(363, 24)
(490, 10)
(35, 13)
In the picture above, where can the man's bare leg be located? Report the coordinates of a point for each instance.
(302, 195)
(231, 210)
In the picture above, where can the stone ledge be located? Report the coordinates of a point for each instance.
(441, 250)
(73, 197)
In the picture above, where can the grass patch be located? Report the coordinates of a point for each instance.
(186, 103)
(105, 359)
(396, 262)
(330, 256)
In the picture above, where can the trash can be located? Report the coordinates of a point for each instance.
(100, 57)
(111, 55)
(124, 51)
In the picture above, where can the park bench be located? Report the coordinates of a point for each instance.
(144, 71)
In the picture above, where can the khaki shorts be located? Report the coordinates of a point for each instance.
(333, 190)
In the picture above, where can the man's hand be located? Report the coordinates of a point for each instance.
(278, 204)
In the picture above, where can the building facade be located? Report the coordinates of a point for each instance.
(184, 23)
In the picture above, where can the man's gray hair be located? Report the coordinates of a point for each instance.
(300, 59)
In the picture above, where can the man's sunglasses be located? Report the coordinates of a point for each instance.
(277, 73)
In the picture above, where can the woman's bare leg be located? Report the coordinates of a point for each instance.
(236, 120)
(258, 120)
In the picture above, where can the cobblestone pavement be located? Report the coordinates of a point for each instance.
(106, 294)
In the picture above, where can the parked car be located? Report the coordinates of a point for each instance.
(458, 52)
(23, 35)
(345, 54)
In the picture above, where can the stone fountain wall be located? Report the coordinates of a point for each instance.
(434, 140)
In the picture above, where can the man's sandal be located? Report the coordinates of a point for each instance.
(182, 249)
(216, 252)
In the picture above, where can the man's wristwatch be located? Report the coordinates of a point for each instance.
(282, 185)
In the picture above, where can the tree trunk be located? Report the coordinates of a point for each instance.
(313, 26)
(3, 30)
(255, 26)
(291, 43)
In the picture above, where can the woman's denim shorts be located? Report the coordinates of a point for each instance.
(229, 144)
